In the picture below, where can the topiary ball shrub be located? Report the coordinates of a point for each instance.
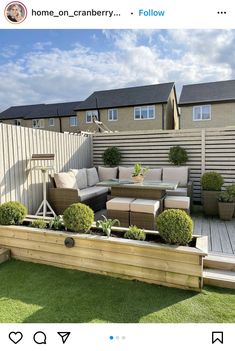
(175, 226)
(12, 212)
(112, 156)
(78, 217)
(177, 155)
(212, 181)
(135, 233)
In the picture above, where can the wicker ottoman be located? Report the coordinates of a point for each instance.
(178, 202)
(119, 208)
(143, 213)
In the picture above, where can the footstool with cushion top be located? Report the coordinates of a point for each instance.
(143, 213)
(177, 202)
(119, 208)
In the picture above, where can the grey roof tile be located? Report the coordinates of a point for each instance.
(208, 92)
(142, 95)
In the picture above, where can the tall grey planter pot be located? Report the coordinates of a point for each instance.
(226, 210)
(210, 202)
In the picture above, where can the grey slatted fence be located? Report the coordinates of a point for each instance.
(211, 149)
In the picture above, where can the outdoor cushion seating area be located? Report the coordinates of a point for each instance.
(79, 185)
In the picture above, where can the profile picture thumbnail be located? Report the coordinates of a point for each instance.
(15, 12)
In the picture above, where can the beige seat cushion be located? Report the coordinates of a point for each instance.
(119, 203)
(91, 192)
(145, 206)
(180, 202)
(92, 176)
(125, 173)
(107, 173)
(65, 180)
(175, 174)
(177, 192)
(81, 177)
(154, 174)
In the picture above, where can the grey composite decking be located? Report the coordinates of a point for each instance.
(221, 234)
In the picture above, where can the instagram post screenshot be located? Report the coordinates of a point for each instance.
(117, 175)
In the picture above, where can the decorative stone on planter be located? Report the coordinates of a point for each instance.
(169, 265)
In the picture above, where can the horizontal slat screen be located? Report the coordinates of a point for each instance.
(211, 149)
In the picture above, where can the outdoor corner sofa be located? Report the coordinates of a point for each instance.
(79, 185)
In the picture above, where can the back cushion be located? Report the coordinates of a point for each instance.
(154, 174)
(176, 174)
(107, 173)
(125, 173)
(65, 180)
(92, 176)
(81, 177)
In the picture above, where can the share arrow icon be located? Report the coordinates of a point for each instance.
(64, 336)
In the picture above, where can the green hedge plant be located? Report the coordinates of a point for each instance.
(78, 217)
(112, 156)
(12, 212)
(177, 155)
(135, 233)
(175, 226)
(212, 181)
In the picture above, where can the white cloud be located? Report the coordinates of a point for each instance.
(50, 74)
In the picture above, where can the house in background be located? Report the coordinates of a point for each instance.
(208, 105)
(138, 108)
(54, 117)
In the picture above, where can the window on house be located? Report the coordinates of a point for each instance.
(113, 115)
(90, 115)
(51, 122)
(38, 123)
(73, 121)
(201, 113)
(144, 112)
(17, 122)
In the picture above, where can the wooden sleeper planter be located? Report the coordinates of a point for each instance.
(168, 265)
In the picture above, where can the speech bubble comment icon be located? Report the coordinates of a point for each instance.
(40, 338)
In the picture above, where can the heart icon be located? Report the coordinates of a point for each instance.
(15, 337)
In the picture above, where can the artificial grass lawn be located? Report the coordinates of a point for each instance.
(37, 293)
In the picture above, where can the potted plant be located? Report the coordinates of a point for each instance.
(225, 205)
(231, 190)
(139, 173)
(211, 183)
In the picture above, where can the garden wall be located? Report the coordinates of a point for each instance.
(211, 149)
(18, 180)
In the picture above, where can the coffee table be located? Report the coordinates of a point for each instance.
(154, 190)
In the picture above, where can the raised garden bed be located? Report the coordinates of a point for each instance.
(157, 263)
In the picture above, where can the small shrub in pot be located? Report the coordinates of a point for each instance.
(211, 183)
(78, 217)
(12, 212)
(112, 156)
(226, 205)
(231, 190)
(175, 226)
(177, 155)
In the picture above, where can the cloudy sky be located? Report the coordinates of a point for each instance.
(45, 66)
